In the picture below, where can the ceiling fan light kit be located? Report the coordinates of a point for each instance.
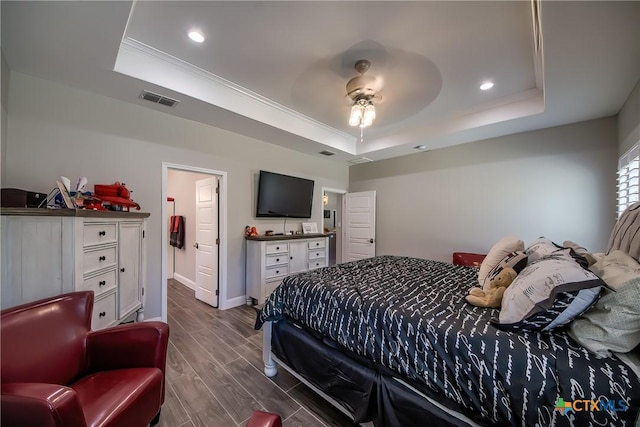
(361, 89)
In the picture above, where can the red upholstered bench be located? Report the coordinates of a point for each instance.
(264, 419)
(468, 259)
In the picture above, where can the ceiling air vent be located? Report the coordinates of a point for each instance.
(327, 153)
(359, 160)
(158, 99)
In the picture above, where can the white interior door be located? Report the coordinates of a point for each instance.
(207, 240)
(360, 225)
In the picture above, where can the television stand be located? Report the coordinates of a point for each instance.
(271, 258)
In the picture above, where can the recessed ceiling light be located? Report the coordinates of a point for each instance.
(196, 36)
(420, 147)
(486, 86)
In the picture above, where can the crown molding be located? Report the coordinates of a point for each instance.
(149, 64)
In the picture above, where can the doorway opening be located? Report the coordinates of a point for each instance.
(196, 254)
(332, 214)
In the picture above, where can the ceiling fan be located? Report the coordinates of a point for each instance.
(362, 92)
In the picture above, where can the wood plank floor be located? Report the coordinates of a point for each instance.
(214, 371)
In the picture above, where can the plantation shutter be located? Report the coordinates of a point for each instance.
(629, 178)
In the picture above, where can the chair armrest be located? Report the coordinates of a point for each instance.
(43, 405)
(135, 345)
(264, 419)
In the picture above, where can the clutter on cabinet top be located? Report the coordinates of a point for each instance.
(115, 196)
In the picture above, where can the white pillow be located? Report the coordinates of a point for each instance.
(500, 249)
(616, 268)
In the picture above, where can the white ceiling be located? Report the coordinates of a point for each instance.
(277, 71)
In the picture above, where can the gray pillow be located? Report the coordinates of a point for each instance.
(548, 293)
(613, 324)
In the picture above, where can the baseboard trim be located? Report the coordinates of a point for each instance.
(153, 319)
(188, 283)
(234, 302)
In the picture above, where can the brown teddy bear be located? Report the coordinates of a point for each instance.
(497, 285)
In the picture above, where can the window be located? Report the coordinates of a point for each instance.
(629, 178)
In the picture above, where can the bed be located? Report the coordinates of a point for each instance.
(392, 340)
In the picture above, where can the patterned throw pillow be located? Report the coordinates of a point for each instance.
(547, 294)
(613, 324)
(540, 248)
(543, 247)
(516, 260)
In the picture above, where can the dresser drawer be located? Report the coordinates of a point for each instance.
(104, 312)
(316, 244)
(97, 259)
(278, 271)
(101, 283)
(317, 264)
(97, 234)
(279, 259)
(277, 248)
(315, 254)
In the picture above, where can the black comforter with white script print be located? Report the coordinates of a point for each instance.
(410, 315)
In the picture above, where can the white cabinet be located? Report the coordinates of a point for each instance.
(50, 252)
(129, 256)
(270, 259)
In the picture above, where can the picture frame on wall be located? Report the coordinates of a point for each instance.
(309, 228)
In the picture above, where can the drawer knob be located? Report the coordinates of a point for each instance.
(102, 258)
(277, 259)
(277, 248)
(122, 269)
(290, 257)
(318, 254)
(277, 271)
(102, 283)
(317, 244)
(102, 314)
(102, 233)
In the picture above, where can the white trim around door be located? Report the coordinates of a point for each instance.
(222, 255)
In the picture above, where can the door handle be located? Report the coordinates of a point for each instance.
(196, 245)
(371, 240)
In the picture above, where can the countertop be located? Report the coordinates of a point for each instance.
(88, 213)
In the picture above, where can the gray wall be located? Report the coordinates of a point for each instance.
(629, 121)
(557, 182)
(55, 130)
(5, 74)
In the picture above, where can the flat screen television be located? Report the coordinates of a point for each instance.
(284, 196)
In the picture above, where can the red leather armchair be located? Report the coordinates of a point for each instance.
(57, 372)
(264, 419)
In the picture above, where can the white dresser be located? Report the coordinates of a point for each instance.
(49, 252)
(271, 258)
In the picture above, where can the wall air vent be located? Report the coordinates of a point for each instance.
(359, 160)
(327, 153)
(158, 99)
